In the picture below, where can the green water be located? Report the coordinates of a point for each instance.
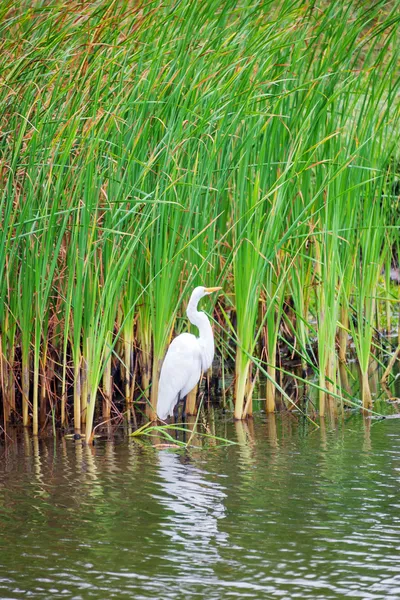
(290, 512)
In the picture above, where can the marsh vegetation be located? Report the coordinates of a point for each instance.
(149, 147)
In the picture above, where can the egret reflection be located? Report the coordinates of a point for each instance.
(194, 505)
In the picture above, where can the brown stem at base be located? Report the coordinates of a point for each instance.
(365, 391)
(191, 407)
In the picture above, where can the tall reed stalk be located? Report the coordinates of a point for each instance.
(148, 148)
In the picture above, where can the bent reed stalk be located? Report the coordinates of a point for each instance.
(150, 147)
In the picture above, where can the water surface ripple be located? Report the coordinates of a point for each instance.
(289, 512)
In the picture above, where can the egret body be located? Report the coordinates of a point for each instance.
(187, 358)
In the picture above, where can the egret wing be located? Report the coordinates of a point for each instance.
(180, 372)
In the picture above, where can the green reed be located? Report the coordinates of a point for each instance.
(147, 148)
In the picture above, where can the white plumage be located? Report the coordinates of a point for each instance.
(187, 357)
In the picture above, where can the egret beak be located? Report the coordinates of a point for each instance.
(213, 289)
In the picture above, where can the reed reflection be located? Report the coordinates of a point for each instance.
(367, 446)
(272, 434)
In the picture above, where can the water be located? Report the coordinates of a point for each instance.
(289, 512)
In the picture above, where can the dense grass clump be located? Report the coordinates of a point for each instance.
(147, 147)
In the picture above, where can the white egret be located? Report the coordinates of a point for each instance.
(187, 358)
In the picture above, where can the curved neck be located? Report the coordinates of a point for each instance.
(199, 319)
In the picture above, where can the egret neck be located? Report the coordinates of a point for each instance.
(206, 337)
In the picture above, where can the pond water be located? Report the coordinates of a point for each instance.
(290, 511)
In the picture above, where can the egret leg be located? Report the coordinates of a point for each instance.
(176, 409)
(184, 409)
(176, 412)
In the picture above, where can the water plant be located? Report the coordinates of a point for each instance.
(147, 148)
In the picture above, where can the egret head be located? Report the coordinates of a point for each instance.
(210, 290)
(201, 291)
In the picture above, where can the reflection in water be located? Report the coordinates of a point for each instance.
(322, 431)
(367, 434)
(244, 434)
(272, 431)
(245, 437)
(290, 511)
(38, 481)
(194, 507)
